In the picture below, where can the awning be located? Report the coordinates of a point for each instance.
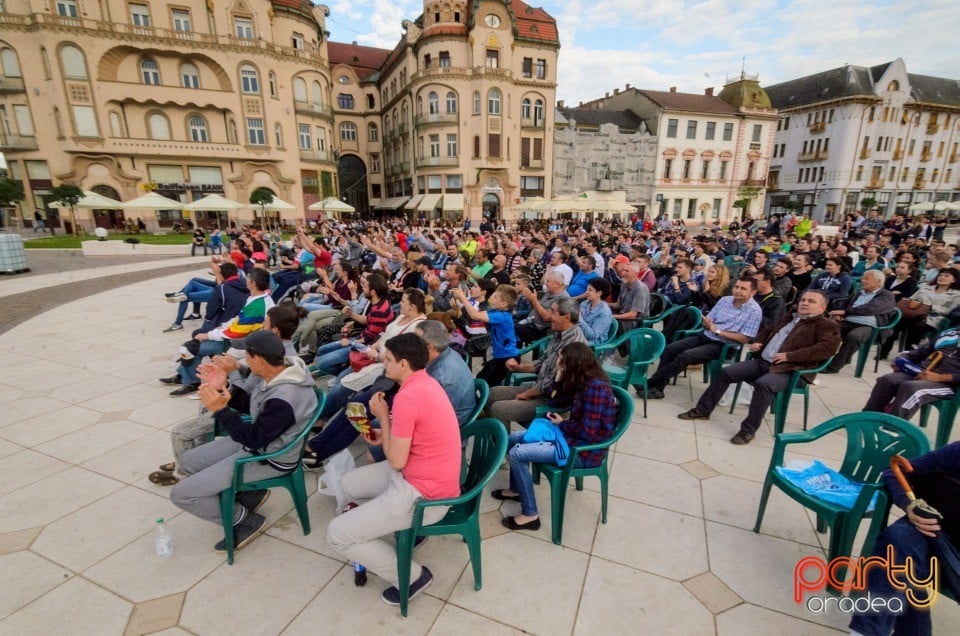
(374, 202)
(392, 204)
(453, 203)
(414, 202)
(429, 202)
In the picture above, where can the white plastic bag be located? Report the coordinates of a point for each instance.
(746, 394)
(333, 471)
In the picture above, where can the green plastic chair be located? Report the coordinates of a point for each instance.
(649, 322)
(560, 476)
(729, 354)
(489, 448)
(646, 345)
(864, 351)
(292, 481)
(781, 401)
(536, 350)
(872, 438)
(694, 329)
(482, 390)
(948, 413)
(611, 334)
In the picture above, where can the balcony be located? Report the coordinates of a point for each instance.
(897, 154)
(436, 119)
(864, 153)
(875, 184)
(12, 85)
(756, 183)
(818, 127)
(919, 184)
(18, 142)
(443, 162)
(321, 156)
(529, 122)
(926, 156)
(403, 129)
(933, 129)
(808, 156)
(501, 73)
(314, 109)
(533, 164)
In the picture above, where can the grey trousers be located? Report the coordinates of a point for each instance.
(907, 394)
(356, 534)
(209, 470)
(306, 333)
(853, 336)
(190, 433)
(756, 372)
(504, 406)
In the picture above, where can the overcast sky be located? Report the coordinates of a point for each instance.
(657, 44)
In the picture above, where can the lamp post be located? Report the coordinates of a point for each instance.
(816, 200)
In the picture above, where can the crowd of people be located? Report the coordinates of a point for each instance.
(392, 317)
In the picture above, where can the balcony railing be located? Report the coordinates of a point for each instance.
(426, 162)
(436, 118)
(315, 109)
(926, 156)
(818, 127)
(18, 142)
(809, 156)
(403, 128)
(11, 85)
(864, 153)
(530, 122)
(876, 184)
(317, 155)
(758, 183)
(537, 164)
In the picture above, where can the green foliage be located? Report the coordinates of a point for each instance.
(261, 196)
(69, 195)
(868, 202)
(11, 192)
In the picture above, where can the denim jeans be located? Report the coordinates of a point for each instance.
(198, 290)
(907, 542)
(332, 358)
(520, 455)
(188, 371)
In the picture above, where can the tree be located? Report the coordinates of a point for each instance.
(11, 192)
(746, 195)
(69, 195)
(261, 197)
(867, 203)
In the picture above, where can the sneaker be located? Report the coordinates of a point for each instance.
(170, 294)
(186, 389)
(652, 394)
(741, 438)
(173, 379)
(253, 499)
(193, 317)
(177, 298)
(310, 461)
(243, 532)
(693, 414)
(173, 327)
(391, 595)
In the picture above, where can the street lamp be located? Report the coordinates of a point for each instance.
(816, 200)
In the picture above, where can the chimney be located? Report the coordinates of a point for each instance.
(354, 42)
(607, 94)
(673, 89)
(581, 105)
(628, 87)
(616, 91)
(560, 104)
(708, 91)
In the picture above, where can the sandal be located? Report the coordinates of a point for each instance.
(163, 478)
(172, 466)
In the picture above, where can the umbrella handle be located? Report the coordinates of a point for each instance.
(900, 465)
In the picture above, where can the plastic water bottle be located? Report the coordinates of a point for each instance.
(164, 540)
(359, 575)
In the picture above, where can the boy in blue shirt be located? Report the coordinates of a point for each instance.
(503, 337)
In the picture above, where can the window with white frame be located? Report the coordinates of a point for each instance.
(149, 71)
(493, 101)
(189, 75)
(433, 103)
(255, 132)
(299, 89)
(272, 83)
(541, 69)
(538, 112)
(373, 134)
(451, 103)
(74, 65)
(181, 20)
(434, 145)
(345, 101)
(476, 102)
(243, 27)
(116, 129)
(67, 8)
(158, 126)
(297, 41)
(375, 162)
(348, 131)
(452, 146)
(525, 108)
(86, 121)
(10, 63)
(198, 128)
(304, 139)
(278, 135)
(249, 80)
(140, 15)
(321, 136)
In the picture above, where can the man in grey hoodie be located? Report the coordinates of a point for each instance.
(279, 397)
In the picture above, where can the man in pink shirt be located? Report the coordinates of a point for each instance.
(421, 440)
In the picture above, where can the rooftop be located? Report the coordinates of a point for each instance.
(623, 119)
(364, 60)
(689, 102)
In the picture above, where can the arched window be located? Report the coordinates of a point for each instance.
(538, 112)
(348, 131)
(189, 76)
(74, 64)
(150, 71)
(894, 85)
(158, 126)
(11, 66)
(476, 102)
(316, 92)
(198, 128)
(476, 146)
(493, 101)
(299, 89)
(525, 108)
(419, 105)
(58, 122)
(249, 80)
(116, 128)
(451, 103)
(372, 133)
(272, 82)
(278, 136)
(434, 102)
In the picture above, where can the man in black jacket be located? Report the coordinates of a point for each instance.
(870, 307)
(771, 303)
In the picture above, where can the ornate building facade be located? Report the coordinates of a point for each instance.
(193, 97)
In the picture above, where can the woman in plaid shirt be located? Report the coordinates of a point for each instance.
(592, 419)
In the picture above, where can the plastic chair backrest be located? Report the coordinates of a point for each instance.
(625, 407)
(656, 306)
(489, 437)
(697, 316)
(872, 438)
(897, 315)
(646, 345)
(482, 390)
(612, 331)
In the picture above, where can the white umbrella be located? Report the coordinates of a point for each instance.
(332, 204)
(940, 205)
(216, 202)
(277, 205)
(152, 201)
(925, 206)
(954, 206)
(93, 201)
